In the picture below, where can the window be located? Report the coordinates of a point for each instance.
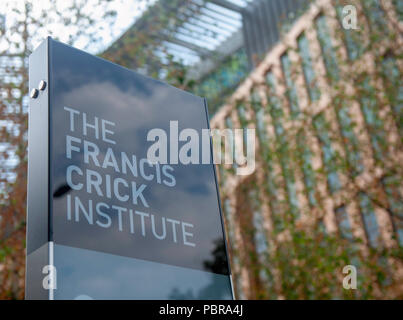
(260, 238)
(351, 144)
(307, 67)
(395, 200)
(399, 8)
(394, 88)
(328, 51)
(370, 108)
(343, 223)
(272, 98)
(242, 114)
(329, 155)
(261, 125)
(259, 113)
(309, 174)
(291, 90)
(369, 218)
(375, 14)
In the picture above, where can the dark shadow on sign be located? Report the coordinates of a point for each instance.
(215, 289)
(61, 191)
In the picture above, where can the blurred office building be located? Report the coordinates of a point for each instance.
(321, 82)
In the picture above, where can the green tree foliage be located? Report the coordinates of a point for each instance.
(24, 25)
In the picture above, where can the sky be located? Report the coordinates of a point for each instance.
(127, 12)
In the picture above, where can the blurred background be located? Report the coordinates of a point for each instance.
(320, 82)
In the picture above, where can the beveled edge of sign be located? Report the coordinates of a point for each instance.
(37, 220)
(219, 203)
